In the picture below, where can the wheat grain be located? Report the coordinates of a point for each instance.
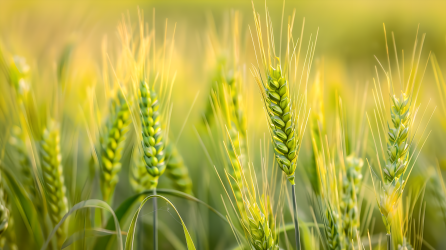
(333, 229)
(52, 171)
(397, 146)
(350, 191)
(261, 229)
(112, 145)
(140, 179)
(152, 135)
(176, 170)
(281, 119)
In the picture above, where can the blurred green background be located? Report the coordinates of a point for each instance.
(350, 34)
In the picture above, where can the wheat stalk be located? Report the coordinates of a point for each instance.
(113, 142)
(176, 170)
(52, 171)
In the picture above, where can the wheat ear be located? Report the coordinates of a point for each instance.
(333, 229)
(256, 214)
(397, 145)
(177, 171)
(140, 179)
(112, 145)
(350, 189)
(52, 172)
(152, 135)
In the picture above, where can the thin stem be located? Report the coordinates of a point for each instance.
(389, 240)
(155, 218)
(296, 223)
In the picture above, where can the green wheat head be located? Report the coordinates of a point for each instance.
(286, 110)
(282, 121)
(177, 171)
(333, 229)
(140, 179)
(152, 135)
(112, 145)
(261, 227)
(397, 145)
(350, 189)
(52, 171)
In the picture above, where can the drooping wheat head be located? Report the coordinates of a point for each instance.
(176, 170)
(285, 109)
(52, 171)
(113, 141)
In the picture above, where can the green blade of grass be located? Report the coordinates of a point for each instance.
(132, 229)
(88, 233)
(88, 204)
(26, 208)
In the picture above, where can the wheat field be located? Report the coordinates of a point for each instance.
(222, 125)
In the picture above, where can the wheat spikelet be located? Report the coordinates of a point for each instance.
(281, 119)
(397, 145)
(140, 179)
(176, 170)
(261, 229)
(230, 106)
(112, 145)
(52, 171)
(256, 215)
(398, 141)
(333, 229)
(152, 135)
(286, 110)
(350, 190)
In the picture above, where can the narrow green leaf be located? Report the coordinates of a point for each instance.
(88, 233)
(88, 204)
(26, 208)
(132, 229)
